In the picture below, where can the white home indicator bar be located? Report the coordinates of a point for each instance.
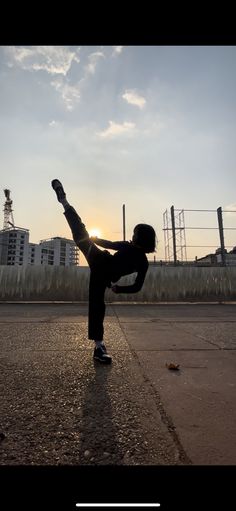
(119, 505)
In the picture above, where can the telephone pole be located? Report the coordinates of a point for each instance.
(124, 233)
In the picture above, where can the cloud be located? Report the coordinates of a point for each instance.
(52, 59)
(133, 98)
(116, 129)
(53, 124)
(93, 60)
(70, 93)
(117, 50)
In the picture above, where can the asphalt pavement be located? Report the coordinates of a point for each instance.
(60, 407)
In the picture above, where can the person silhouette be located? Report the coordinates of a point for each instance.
(106, 269)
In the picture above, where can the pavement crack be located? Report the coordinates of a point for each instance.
(197, 336)
(166, 419)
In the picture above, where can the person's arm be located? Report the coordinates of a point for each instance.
(113, 245)
(136, 286)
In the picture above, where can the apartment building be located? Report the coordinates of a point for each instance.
(15, 249)
(59, 252)
(14, 246)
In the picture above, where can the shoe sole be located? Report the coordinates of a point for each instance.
(57, 184)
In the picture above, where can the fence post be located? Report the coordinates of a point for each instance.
(172, 212)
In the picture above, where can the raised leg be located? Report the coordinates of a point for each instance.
(81, 235)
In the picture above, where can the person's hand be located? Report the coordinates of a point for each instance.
(114, 289)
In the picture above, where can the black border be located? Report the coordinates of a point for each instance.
(118, 24)
(174, 487)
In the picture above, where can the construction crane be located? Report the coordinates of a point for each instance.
(8, 211)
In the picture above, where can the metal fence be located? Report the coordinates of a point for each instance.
(175, 234)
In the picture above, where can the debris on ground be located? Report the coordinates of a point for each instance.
(172, 366)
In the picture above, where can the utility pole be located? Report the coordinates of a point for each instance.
(221, 233)
(123, 210)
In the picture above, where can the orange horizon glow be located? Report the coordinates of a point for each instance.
(95, 232)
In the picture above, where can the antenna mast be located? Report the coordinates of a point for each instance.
(8, 211)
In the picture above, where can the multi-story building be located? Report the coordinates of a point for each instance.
(15, 249)
(14, 246)
(59, 252)
(34, 254)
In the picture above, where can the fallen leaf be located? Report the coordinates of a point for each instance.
(172, 366)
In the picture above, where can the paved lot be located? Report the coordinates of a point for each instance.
(58, 407)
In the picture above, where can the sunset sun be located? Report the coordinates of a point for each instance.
(95, 232)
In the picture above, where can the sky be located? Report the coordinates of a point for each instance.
(145, 126)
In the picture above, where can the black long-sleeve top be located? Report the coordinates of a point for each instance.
(128, 259)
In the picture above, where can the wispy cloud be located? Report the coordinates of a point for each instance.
(115, 129)
(53, 124)
(133, 98)
(52, 59)
(70, 94)
(93, 59)
(117, 50)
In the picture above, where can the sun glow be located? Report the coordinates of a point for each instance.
(95, 232)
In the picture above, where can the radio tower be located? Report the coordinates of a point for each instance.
(8, 211)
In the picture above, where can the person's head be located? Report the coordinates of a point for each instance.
(145, 237)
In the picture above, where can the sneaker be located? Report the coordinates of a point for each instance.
(57, 186)
(101, 355)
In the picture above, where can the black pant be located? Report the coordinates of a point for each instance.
(99, 262)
